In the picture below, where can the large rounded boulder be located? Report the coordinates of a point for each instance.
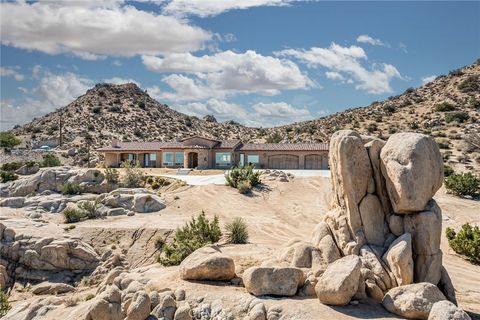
(413, 169)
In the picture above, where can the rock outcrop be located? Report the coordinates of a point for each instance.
(207, 263)
(281, 281)
(37, 259)
(413, 301)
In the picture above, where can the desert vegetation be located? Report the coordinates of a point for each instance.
(465, 242)
(463, 184)
(196, 233)
(243, 179)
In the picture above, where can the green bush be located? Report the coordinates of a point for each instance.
(90, 209)
(97, 109)
(471, 84)
(237, 231)
(463, 184)
(444, 107)
(112, 175)
(72, 215)
(4, 305)
(71, 188)
(141, 105)
(372, 127)
(466, 242)
(237, 177)
(197, 233)
(447, 170)
(12, 166)
(114, 109)
(274, 138)
(50, 160)
(244, 187)
(457, 116)
(8, 176)
(474, 103)
(8, 140)
(133, 176)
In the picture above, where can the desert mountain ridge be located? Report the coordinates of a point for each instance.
(446, 108)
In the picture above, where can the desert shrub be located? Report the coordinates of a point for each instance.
(112, 175)
(71, 188)
(137, 132)
(97, 109)
(141, 105)
(372, 127)
(90, 127)
(447, 170)
(471, 84)
(72, 215)
(90, 209)
(237, 231)
(8, 140)
(444, 107)
(114, 109)
(244, 187)
(196, 233)
(388, 108)
(4, 304)
(414, 125)
(474, 103)
(240, 175)
(50, 160)
(188, 122)
(133, 176)
(456, 116)
(12, 166)
(275, 138)
(463, 184)
(8, 176)
(466, 242)
(89, 296)
(443, 144)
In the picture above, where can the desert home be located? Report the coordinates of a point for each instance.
(204, 153)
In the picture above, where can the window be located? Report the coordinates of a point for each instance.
(253, 158)
(153, 157)
(131, 157)
(223, 158)
(179, 158)
(241, 163)
(168, 158)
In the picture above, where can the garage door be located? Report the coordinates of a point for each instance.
(283, 161)
(314, 161)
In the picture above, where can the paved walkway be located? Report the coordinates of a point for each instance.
(220, 178)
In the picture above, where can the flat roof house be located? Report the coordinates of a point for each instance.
(204, 153)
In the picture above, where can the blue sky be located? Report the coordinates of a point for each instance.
(259, 62)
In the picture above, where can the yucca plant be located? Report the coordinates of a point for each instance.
(237, 231)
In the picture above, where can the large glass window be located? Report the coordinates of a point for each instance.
(179, 158)
(168, 158)
(153, 157)
(253, 158)
(131, 157)
(223, 158)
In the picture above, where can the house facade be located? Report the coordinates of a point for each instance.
(204, 153)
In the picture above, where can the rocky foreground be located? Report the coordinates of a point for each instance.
(379, 244)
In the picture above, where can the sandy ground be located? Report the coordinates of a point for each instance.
(275, 215)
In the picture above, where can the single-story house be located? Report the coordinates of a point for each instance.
(204, 153)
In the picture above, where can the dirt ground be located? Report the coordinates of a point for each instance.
(275, 215)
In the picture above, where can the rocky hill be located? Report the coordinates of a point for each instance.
(446, 108)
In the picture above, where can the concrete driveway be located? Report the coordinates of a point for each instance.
(220, 178)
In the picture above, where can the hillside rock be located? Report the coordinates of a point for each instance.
(405, 160)
(340, 281)
(399, 259)
(281, 281)
(51, 288)
(445, 310)
(207, 263)
(413, 301)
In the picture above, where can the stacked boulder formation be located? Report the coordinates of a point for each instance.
(383, 220)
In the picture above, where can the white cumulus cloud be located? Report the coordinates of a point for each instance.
(428, 79)
(11, 72)
(53, 91)
(227, 73)
(348, 61)
(373, 41)
(205, 8)
(92, 30)
(259, 114)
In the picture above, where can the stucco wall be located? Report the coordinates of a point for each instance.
(265, 154)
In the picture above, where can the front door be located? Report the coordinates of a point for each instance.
(193, 160)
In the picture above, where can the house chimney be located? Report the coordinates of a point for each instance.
(115, 143)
